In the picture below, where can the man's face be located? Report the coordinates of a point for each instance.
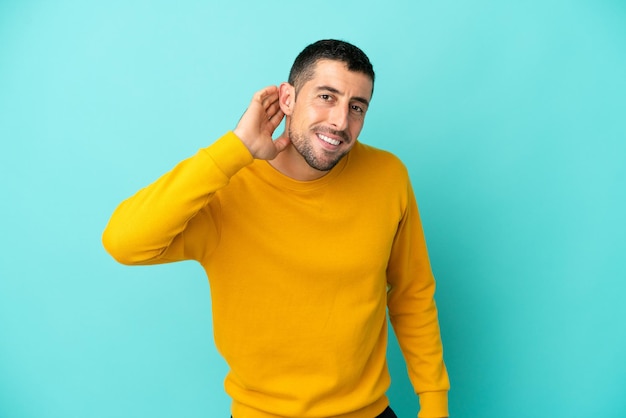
(328, 114)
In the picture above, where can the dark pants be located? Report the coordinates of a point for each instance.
(387, 413)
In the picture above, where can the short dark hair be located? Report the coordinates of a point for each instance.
(303, 68)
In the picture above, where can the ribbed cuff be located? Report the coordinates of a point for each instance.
(433, 404)
(229, 154)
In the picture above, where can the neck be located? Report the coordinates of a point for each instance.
(293, 165)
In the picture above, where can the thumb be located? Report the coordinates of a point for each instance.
(281, 143)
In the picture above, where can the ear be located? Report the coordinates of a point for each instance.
(286, 98)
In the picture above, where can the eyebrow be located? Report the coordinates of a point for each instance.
(335, 91)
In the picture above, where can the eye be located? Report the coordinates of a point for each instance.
(325, 97)
(357, 109)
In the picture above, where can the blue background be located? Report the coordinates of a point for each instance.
(509, 115)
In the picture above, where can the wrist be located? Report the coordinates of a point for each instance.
(242, 136)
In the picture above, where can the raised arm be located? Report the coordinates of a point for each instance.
(149, 227)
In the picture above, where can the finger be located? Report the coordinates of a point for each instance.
(260, 98)
(272, 109)
(270, 101)
(267, 95)
(275, 119)
(281, 143)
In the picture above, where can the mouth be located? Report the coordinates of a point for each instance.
(329, 140)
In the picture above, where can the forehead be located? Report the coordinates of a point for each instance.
(335, 74)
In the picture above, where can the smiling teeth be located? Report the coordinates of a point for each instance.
(329, 140)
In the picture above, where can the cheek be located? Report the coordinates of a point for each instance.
(355, 128)
(316, 113)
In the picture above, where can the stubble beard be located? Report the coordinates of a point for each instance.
(305, 149)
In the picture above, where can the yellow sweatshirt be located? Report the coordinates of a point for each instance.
(301, 275)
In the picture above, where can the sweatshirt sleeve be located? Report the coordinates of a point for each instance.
(413, 313)
(149, 227)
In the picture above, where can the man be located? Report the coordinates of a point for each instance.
(306, 241)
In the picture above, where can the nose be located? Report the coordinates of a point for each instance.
(338, 117)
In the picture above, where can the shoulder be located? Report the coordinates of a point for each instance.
(377, 179)
(363, 156)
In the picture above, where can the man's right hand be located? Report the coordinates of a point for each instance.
(258, 123)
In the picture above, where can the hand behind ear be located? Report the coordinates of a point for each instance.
(258, 123)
